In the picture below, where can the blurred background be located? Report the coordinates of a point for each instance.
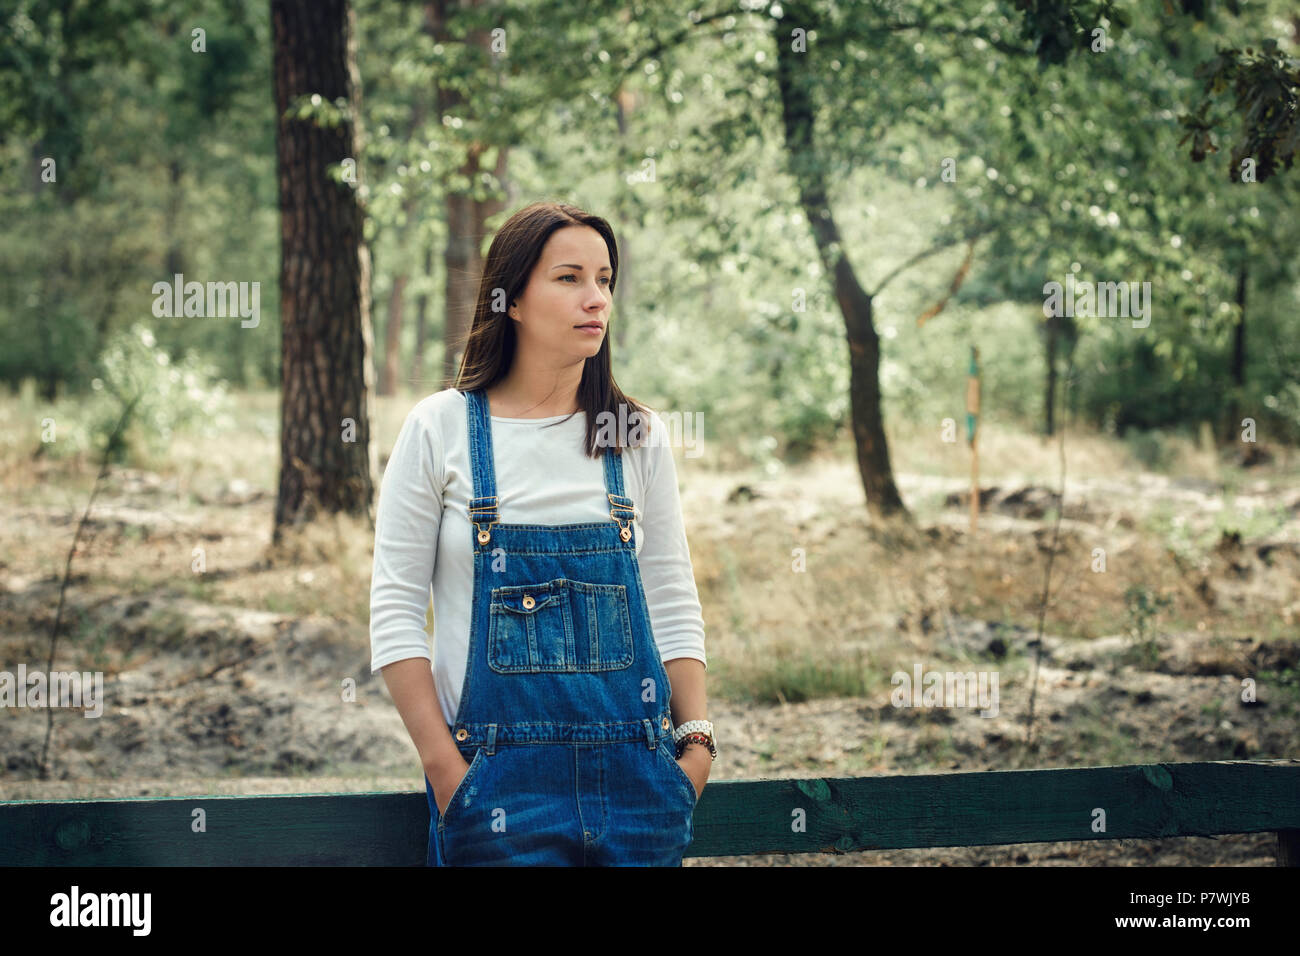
(838, 224)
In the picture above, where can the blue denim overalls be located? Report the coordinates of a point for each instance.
(564, 712)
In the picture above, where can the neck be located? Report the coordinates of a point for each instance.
(518, 396)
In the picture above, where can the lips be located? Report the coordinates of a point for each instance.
(590, 325)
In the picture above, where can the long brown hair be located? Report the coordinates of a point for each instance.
(490, 346)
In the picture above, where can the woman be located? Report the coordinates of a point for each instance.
(563, 594)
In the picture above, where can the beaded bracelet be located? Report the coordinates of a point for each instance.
(695, 737)
(703, 726)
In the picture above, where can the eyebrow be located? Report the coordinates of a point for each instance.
(572, 265)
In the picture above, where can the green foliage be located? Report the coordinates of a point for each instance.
(1059, 27)
(1266, 95)
(158, 396)
(130, 157)
(1283, 685)
(1066, 160)
(324, 113)
(1143, 608)
(1254, 524)
(1152, 449)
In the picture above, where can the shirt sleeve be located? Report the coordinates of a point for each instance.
(406, 545)
(665, 558)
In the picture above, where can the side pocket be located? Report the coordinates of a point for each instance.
(474, 766)
(684, 781)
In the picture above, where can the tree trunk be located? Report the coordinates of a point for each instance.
(171, 218)
(47, 372)
(484, 209)
(327, 457)
(396, 297)
(1238, 359)
(461, 287)
(393, 337)
(1051, 340)
(797, 112)
(625, 103)
(462, 260)
(421, 316)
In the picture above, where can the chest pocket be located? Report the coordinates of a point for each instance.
(561, 626)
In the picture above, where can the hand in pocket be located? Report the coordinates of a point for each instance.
(696, 764)
(445, 779)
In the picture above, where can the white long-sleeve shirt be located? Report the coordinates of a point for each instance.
(423, 536)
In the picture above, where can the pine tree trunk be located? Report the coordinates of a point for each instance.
(393, 337)
(175, 262)
(466, 217)
(1238, 359)
(625, 103)
(327, 458)
(461, 286)
(421, 317)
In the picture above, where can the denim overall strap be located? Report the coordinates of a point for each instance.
(483, 511)
(483, 506)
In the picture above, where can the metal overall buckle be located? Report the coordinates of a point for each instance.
(625, 530)
(483, 511)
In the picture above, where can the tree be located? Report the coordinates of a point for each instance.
(1084, 174)
(96, 99)
(327, 457)
(467, 205)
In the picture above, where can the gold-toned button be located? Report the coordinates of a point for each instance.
(483, 537)
(528, 601)
(462, 734)
(667, 724)
(625, 533)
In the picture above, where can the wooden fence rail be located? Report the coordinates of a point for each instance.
(733, 817)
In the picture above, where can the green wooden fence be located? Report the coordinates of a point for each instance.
(733, 817)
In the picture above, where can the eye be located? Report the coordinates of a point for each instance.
(572, 276)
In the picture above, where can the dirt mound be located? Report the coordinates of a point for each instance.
(208, 689)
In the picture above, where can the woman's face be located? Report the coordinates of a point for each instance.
(568, 288)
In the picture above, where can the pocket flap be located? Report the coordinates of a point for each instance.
(530, 598)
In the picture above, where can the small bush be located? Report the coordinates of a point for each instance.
(163, 396)
(1153, 449)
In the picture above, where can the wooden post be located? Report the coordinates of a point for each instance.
(972, 420)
